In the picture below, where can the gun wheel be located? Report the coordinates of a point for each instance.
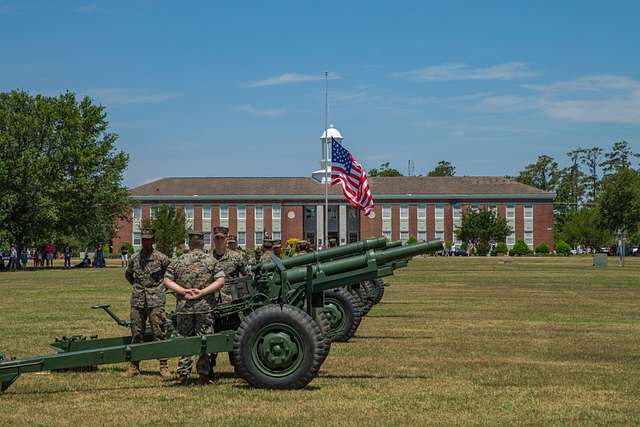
(377, 290)
(278, 347)
(343, 314)
(325, 327)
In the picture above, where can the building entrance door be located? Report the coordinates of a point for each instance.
(309, 225)
(353, 224)
(334, 224)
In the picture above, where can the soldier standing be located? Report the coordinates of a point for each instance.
(195, 277)
(302, 247)
(231, 262)
(145, 272)
(267, 250)
(277, 248)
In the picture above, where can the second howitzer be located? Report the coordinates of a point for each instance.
(277, 329)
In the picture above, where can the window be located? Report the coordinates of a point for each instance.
(439, 235)
(136, 239)
(137, 215)
(528, 238)
(242, 238)
(456, 214)
(439, 216)
(275, 222)
(207, 239)
(511, 221)
(528, 218)
(404, 236)
(258, 238)
(242, 213)
(386, 221)
(494, 209)
(404, 212)
(153, 212)
(206, 213)
(224, 216)
(421, 213)
(188, 214)
(259, 212)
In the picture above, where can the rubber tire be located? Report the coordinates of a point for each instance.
(378, 285)
(345, 300)
(309, 333)
(362, 292)
(323, 322)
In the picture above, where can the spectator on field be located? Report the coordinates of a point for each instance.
(2, 266)
(67, 255)
(50, 249)
(24, 258)
(13, 259)
(99, 258)
(85, 263)
(124, 253)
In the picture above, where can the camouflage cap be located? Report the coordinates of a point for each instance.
(196, 235)
(267, 243)
(147, 233)
(220, 231)
(302, 244)
(232, 238)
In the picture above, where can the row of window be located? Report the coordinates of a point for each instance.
(456, 214)
(241, 217)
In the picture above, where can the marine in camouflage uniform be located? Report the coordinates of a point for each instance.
(194, 270)
(232, 262)
(267, 251)
(145, 271)
(302, 247)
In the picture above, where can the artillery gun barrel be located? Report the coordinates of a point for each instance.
(362, 261)
(326, 254)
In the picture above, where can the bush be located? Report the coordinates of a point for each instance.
(129, 247)
(106, 249)
(542, 249)
(520, 249)
(563, 248)
(463, 246)
(412, 240)
(448, 245)
(501, 248)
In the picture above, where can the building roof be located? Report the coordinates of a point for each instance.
(412, 187)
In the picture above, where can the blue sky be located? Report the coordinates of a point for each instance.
(235, 89)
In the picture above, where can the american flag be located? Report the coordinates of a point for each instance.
(346, 170)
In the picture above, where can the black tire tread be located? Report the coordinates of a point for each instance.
(275, 312)
(350, 304)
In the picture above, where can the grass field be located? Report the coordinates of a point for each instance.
(536, 341)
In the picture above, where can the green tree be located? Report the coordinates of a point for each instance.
(618, 205)
(481, 228)
(60, 172)
(444, 168)
(542, 174)
(581, 228)
(590, 158)
(170, 228)
(384, 170)
(618, 157)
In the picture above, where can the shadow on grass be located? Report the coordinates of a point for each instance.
(402, 316)
(309, 388)
(375, 377)
(389, 337)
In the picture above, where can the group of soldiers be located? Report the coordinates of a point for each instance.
(199, 281)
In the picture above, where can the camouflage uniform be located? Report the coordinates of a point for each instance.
(266, 255)
(147, 294)
(194, 270)
(233, 264)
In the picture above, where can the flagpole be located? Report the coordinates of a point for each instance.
(326, 160)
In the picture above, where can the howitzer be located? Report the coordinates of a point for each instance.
(281, 339)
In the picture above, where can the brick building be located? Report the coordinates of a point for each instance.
(425, 207)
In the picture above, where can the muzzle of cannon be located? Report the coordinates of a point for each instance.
(285, 315)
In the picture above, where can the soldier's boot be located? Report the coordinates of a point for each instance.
(134, 370)
(204, 380)
(164, 369)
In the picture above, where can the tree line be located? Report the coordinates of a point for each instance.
(597, 193)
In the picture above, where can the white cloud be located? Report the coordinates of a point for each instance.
(288, 78)
(599, 99)
(444, 72)
(115, 96)
(248, 108)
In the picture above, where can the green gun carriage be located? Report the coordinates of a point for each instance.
(277, 330)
